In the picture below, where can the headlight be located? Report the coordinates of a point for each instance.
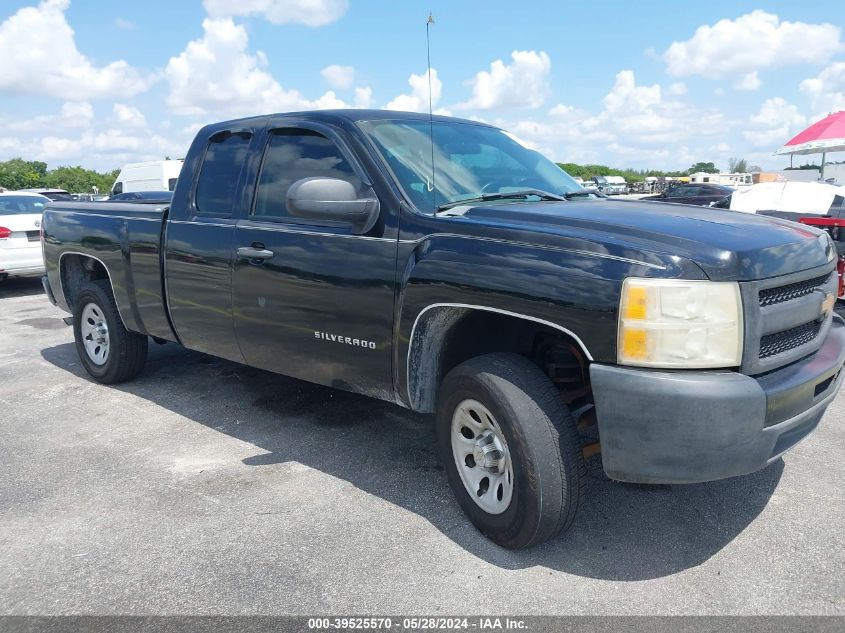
(674, 323)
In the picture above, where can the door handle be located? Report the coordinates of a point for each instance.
(252, 252)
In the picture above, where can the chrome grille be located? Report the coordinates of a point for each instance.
(783, 318)
(779, 342)
(771, 296)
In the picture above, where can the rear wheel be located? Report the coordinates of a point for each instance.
(109, 352)
(511, 449)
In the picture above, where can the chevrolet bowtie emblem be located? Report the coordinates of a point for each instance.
(828, 304)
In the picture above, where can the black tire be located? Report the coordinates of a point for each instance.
(127, 350)
(549, 473)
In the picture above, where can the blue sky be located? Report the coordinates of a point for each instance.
(628, 84)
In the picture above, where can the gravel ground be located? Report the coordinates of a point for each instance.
(205, 487)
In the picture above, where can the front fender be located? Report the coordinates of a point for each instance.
(575, 292)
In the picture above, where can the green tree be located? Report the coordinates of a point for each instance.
(737, 165)
(630, 174)
(78, 179)
(707, 168)
(18, 173)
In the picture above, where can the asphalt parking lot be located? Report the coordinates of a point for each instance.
(204, 487)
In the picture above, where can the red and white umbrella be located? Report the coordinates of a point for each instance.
(827, 135)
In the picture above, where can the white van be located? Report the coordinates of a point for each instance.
(153, 175)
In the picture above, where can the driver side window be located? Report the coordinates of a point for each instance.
(292, 155)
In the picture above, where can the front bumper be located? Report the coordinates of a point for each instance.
(693, 426)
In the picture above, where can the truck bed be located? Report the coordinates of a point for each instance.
(126, 238)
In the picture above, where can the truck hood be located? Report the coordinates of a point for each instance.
(726, 245)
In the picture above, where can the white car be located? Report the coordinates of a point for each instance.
(20, 233)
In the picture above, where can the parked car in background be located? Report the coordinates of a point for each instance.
(615, 185)
(149, 197)
(610, 185)
(599, 183)
(692, 193)
(56, 195)
(20, 234)
(153, 175)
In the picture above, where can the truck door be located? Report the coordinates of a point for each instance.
(199, 249)
(312, 299)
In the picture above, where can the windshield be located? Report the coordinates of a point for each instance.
(20, 205)
(469, 162)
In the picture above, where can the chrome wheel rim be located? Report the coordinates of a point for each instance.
(95, 334)
(482, 457)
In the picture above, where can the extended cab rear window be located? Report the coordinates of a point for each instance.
(218, 179)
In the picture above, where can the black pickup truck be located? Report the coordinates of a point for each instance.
(444, 266)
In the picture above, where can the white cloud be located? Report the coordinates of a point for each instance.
(103, 150)
(774, 124)
(38, 49)
(679, 88)
(627, 96)
(363, 97)
(417, 99)
(308, 12)
(216, 74)
(522, 84)
(777, 111)
(339, 77)
(827, 89)
(128, 116)
(77, 114)
(563, 111)
(123, 24)
(636, 126)
(748, 82)
(327, 101)
(73, 114)
(753, 41)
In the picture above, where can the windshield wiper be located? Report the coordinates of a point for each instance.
(503, 195)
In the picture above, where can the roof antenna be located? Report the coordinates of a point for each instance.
(428, 24)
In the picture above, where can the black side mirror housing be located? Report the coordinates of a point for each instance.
(332, 200)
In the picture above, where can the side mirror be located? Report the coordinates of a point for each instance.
(332, 200)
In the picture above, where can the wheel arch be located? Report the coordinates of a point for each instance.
(445, 334)
(75, 270)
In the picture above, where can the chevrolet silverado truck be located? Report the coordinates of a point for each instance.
(444, 266)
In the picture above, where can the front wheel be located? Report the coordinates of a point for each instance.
(109, 352)
(511, 449)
